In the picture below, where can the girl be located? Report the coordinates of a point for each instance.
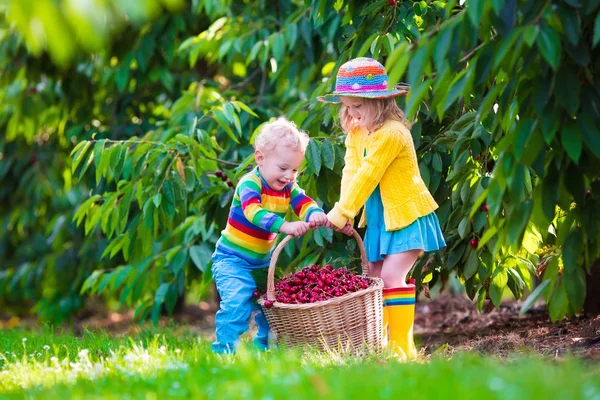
(262, 198)
(381, 174)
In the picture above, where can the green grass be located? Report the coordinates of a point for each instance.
(162, 363)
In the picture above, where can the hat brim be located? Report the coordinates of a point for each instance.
(383, 94)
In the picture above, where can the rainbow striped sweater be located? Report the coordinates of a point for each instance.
(256, 214)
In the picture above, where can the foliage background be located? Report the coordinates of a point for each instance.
(114, 118)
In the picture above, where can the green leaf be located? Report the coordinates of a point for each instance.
(499, 282)
(548, 42)
(530, 34)
(591, 134)
(328, 154)
(575, 287)
(416, 65)
(201, 256)
(558, 306)
(178, 263)
(455, 90)
(533, 297)
(415, 96)
(464, 227)
(156, 200)
(313, 156)
(222, 121)
(479, 221)
(455, 255)
(497, 5)
(475, 9)
(472, 264)
(90, 281)
(424, 171)
(80, 153)
(367, 44)
(437, 162)
(442, 44)
(159, 298)
(596, 31)
(397, 62)
(488, 103)
(228, 111)
(122, 77)
(278, 46)
(245, 108)
(82, 210)
(98, 149)
(572, 250)
(487, 236)
(260, 276)
(518, 221)
(571, 140)
(515, 283)
(571, 23)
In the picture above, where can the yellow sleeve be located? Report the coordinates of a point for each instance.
(387, 144)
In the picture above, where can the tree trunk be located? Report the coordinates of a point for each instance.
(591, 307)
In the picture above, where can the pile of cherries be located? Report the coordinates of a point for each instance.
(313, 284)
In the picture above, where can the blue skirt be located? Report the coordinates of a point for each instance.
(424, 234)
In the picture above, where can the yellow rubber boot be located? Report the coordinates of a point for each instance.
(386, 322)
(400, 307)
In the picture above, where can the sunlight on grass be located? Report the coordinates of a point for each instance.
(178, 363)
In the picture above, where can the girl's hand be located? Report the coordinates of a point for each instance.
(346, 230)
(295, 229)
(317, 220)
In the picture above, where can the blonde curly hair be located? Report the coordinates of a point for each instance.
(281, 132)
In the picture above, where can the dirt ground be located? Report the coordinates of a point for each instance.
(446, 324)
(453, 323)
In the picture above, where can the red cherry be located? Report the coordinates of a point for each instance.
(219, 173)
(256, 294)
(392, 2)
(474, 243)
(486, 208)
(268, 303)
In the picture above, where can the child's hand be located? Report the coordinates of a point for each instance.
(348, 229)
(317, 220)
(295, 229)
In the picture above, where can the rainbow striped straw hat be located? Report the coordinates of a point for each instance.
(362, 77)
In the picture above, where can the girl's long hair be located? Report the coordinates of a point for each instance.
(378, 111)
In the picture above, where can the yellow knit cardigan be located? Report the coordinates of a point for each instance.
(391, 163)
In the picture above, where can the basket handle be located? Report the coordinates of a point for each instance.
(271, 276)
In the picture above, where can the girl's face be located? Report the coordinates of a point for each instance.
(358, 110)
(279, 166)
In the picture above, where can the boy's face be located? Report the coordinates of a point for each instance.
(279, 166)
(357, 108)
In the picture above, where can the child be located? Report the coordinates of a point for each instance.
(382, 174)
(260, 203)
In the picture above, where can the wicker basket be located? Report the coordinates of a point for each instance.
(347, 323)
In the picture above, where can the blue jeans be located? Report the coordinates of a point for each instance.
(235, 285)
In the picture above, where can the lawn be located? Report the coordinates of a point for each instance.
(161, 363)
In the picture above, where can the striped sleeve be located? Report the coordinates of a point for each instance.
(250, 196)
(302, 205)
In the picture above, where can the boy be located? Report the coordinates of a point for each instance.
(257, 214)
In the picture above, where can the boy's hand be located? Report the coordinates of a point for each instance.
(317, 220)
(295, 229)
(348, 229)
